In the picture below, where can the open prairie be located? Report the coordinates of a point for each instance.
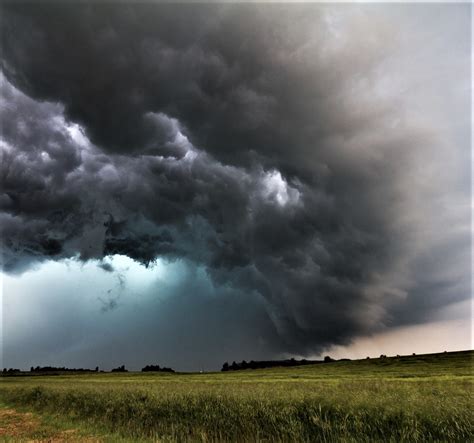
(415, 398)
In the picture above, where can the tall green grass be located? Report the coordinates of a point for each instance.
(347, 401)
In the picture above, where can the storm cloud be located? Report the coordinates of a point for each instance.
(271, 146)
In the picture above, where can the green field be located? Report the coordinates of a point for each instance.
(416, 398)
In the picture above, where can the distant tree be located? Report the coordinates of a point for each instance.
(328, 359)
(96, 369)
(151, 368)
(156, 368)
(267, 364)
(120, 369)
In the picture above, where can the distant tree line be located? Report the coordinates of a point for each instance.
(10, 371)
(61, 369)
(272, 363)
(47, 370)
(53, 370)
(292, 362)
(156, 368)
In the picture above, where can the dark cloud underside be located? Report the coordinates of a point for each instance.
(251, 140)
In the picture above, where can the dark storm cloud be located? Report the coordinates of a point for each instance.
(243, 80)
(249, 139)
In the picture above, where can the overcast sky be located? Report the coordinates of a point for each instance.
(188, 184)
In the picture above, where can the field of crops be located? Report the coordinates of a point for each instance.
(416, 398)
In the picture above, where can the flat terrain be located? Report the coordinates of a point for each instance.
(416, 398)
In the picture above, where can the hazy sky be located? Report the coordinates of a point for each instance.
(188, 184)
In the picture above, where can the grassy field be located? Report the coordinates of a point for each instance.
(416, 398)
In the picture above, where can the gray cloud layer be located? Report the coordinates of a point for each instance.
(268, 144)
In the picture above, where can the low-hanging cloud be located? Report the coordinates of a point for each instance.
(254, 141)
